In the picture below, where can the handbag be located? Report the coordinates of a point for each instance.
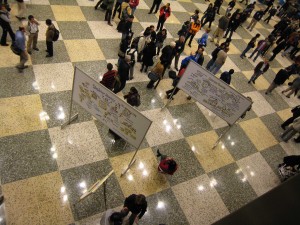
(15, 49)
(153, 76)
(172, 74)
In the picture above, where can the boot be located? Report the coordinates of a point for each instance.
(1, 199)
(158, 153)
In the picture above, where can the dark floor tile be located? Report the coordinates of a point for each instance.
(243, 33)
(59, 54)
(234, 192)
(276, 64)
(137, 29)
(92, 68)
(142, 15)
(25, 155)
(243, 64)
(91, 14)
(274, 156)
(263, 32)
(188, 6)
(182, 17)
(63, 2)
(109, 47)
(40, 12)
(240, 82)
(89, 174)
(237, 142)
(163, 208)
(188, 166)
(173, 29)
(273, 122)
(71, 30)
(190, 118)
(13, 83)
(57, 106)
(276, 101)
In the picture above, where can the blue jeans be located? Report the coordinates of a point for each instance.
(215, 68)
(256, 75)
(245, 51)
(209, 64)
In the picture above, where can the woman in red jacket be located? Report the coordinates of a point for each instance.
(164, 13)
(133, 4)
(167, 165)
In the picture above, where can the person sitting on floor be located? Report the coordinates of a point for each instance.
(167, 165)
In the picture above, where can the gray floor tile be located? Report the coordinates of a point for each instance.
(59, 54)
(57, 106)
(276, 101)
(243, 64)
(75, 30)
(263, 31)
(269, 75)
(40, 12)
(182, 16)
(273, 122)
(89, 174)
(274, 156)
(173, 29)
(109, 47)
(137, 29)
(239, 44)
(91, 14)
(92, 68)
(188, 6)
(63, 2)
(243, 32)
(240, 82)
(188, 166)
(234, 192)
(275, 64)
(190, 118)
(163, 208)
(25, 155)
(13, 83)
(142, 15)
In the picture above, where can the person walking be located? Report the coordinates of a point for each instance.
(217, 5)
(21, 10)
(296, 113)
(109, 8)
(49, 37)
(219, 62)
(202, 42)
(209, 17)
(109, 78)
(226, 76)
(223, 24)
(195, 16)
(233, 24)
(230, 7)
(33, 30)
(277, 50)
(260, 69)
(20, 44)
(291, 130)
(164, 13)
(117, 8)
(123, 71)
(5, 25)
(261, 46)
(155, 5)
(137, 205)
(256, 18)
(293, 89)
(195, 27)
(208, 11)
(179, 47)
(269, 4)
(250, 45)
(167, 165)
(160, 38)
(148, 53)
(272, 12)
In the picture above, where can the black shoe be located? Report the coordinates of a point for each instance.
(29, 52)
(297, 140)
(47, 56)
(249, 81)
(176, 69)
(283, 127)
(253, 81)
(188, 97)
(158, 154)
(36, 49)
(189, 45)
(141, 70)
(149, 12)
(1, 199)
(4, 44)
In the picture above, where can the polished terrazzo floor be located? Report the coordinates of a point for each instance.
(44, 170)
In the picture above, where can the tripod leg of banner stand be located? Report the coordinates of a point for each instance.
(130, 164)
(125, 145)
(169, 99)
(220, 137)
(104, 194)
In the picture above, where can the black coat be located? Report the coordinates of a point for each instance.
(279, 47)
(148, 54)
(167, 55)
(133, 207)
(123, 70)
(281, 77)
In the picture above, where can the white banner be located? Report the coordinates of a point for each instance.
(108, 108)
(213, 93)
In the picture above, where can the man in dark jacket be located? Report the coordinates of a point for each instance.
(233, 25)
(223, 24)
(256, 18)
(123, 71)
(49, 37)
(167, 56)
(277, 49)
(226, 76)
(179, 47)
(217, 5)
(272, 13)
(5, 24)
(155, 5)
(137, 205)
(126, 29)
(110, 5)
(260, 69)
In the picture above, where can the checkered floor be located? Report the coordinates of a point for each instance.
(44, 170)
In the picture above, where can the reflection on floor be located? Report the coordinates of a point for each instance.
(44, 170)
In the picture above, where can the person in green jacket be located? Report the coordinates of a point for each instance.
(110, 6)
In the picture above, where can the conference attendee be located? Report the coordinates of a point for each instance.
(164, 13)
(160, 38)
(207, 12)
(145, 38)
(296, 113)
(194, 28)
(148, 53)
(126, 29)
(256, 18)
(21, 9)
(223, 24)
(226, 76)
(260, 69)
(209, 17)
(109, 8)
(272, 12)
(125, 10)
(117, 8)
(123, 71)
(291, 130)
(5, 25)
(133, 97)
(110, 217)
(277, 50)
(179, 47)
(261, 46)
(167, 55)
(20, 40)
(133, 4)
(269, 4)
(98, 4)
(233, 24)
(137, 205)
(167, 165)
(155, 5)
(293, 89)
(109, 78)
(219, 62)
(230, 7)
(195, 16)
(202, 42)
(217, 5)
(214, 55)
(49, 37)
(33, 30)
(157, 71)
(251, 44)
(173, 91)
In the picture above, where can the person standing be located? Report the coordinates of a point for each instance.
(296, 114)
(202, 42)
(219, 62)
(195, 27)
(179, 47)
(109, 8)
(167, 56)
(217, 5)
(223, 24)
(261, 46)
(148, 53)
(250, 45)
(49, 37)
(195, 16)
(109, 78)
(21, 10)
(230, 7)
(226, 76)
(137, 205)
(214, 55)
(272, 13)
(117, 8)
(123, 71)
(160, 38)
(164, 13)
(233, 24)
(173, 91)
(277, 50)
(158, 70)
(256, 18)
(126, 29)
(155, 5)
(145, 38)
(209, 17)
(260, 69)
(269, 5)
(294, 88)
(291, 131)
(133, 4)
(111, 217)
(5, 24)
(33, 30)
(20, 44)
(98, 4)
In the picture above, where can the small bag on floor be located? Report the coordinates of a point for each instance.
(153, 76)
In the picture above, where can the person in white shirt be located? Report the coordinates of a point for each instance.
(111, 217)
(33, 32)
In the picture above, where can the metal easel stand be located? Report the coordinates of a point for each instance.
(132, 161)
(74, 117)
(170, 99)
(221, 136)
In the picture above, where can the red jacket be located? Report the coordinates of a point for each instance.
(134, 3)
(164, 11)
(163, 167)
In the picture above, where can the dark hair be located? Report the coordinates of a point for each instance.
(228, 14)
(172, 165)
(257, 35)
(21, 28)
(109, 66)
(231, 71)
(30, 17)
(133, 90)
(140, 199)
(116, 218)
(197, 11)
(48, 21)
(131, 17)
(152, 26)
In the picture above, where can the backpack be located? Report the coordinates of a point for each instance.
(135, 42)
(55, 35)
(15, 49)
(125, 14)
